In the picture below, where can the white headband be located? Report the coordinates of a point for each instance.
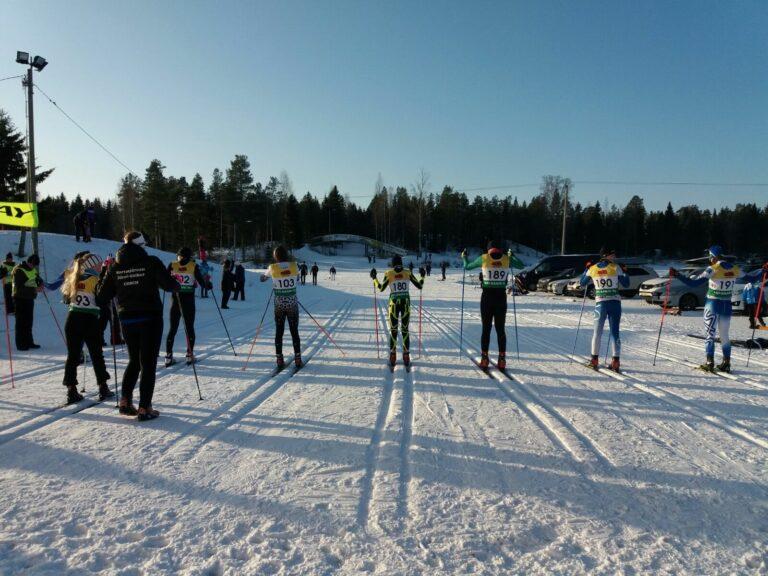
(139, 241)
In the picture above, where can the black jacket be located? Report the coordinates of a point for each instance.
(240, 274)
(134, 279)
(227, 280)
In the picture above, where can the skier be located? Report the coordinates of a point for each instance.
(205, 270)
(82, 324)
(606, 276)
(495, 273)
(429, 267)
(314, 271)
(398, 280)
(134, 280)
(227, 283)
(5, 273)
(750, 295)
(239, 282)
(187, 273)
(333, 272)
(26, 284)
(303, 270)
(721, 276)
(443, 266)
(284, 274)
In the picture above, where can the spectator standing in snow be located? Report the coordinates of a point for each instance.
(227, 283)
(79, 230)
(5, 273)
(239, 281)
(303, 270)
(26, 284)
(750, 295)
(443, 266)
(90, 218)
(314, 271)
(333, 272)
(205, 270)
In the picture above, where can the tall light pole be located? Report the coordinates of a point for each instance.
(38, 63)
(565, 216)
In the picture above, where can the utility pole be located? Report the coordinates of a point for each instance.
(31, 188)
(565, 217)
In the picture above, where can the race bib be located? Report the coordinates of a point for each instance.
(187, 281)
(284, 278)
(721, 289)
(606, 282)
(398, 287)
(84, 300)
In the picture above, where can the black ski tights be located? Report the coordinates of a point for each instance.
(493, 309)
(188, 307)
(287, 307)
(83, 328)
(143, 340)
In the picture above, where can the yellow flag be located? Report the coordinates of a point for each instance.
(21, 214)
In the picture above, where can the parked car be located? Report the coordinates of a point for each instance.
(560, 287)
(638, 274)
(680, 295)
(549, 266)
(543, 284)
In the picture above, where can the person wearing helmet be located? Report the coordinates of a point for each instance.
(82, 325)
(26, 284)
(398, 280)
(188, 274)
(285, 277)
(606, 276)
(134, 280)
(495, 265)
(721, 276)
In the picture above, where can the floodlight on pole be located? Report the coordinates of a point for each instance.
(22, 57)
(39, 63)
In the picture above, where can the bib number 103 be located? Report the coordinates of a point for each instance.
(285, 283)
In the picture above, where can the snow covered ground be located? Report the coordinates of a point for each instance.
(347, 468)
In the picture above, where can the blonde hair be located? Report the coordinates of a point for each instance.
(71, 276)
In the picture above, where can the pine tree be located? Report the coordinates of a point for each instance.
(13, 162)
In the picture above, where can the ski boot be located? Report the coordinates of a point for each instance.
(484, 360)
(615, 364)
(190, 358)
(73, 396)
(144, 414)
(392, 358)
(104, 392)
(594, 362)
(709, 365)
(406, 358)
(126, 407)
(297, 362)
(280, 362)
(169, 361)
(724, 366)
(501, 364)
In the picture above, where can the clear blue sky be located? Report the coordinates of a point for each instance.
(336, 92)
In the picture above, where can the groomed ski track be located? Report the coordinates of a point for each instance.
(347, 467)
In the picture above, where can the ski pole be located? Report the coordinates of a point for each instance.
(114, 345)
(54, 316)
(85, 366)
(461, 323)
(8, 336)
(253, 343)
(663, 314)
(189, 344)
(376, 319)
(757, 313)
(222, 322)
(514, 315)
(321, 328)
(578, 326)
(421, 299)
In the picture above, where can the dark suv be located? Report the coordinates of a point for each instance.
(552, 265)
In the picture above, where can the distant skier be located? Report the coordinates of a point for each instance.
(303, 271)
(227, 283)
(429, 267)
(333, 272)
(26, 284)
(722, 277)
(79, 226)
(82, 324)
(314, 271)
(5, 273)
(284, 273)
(606, 276)
(398, 280)
(239, 271)
(443, 267)
(188, 274)
(205, 270)
(495, 273)
(750, 295)
(90, 220)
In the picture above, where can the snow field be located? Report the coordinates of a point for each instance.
(348, 468)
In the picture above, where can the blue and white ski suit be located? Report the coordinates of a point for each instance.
(722, 278)
(606, 276)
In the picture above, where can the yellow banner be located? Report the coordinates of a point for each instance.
(21, 214)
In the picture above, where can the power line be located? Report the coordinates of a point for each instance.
(12, 77)
(84, 131)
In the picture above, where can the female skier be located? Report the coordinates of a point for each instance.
(82, 325)
(284, 273)
(398, 280)
(606, 275)
(722, 277)
(495, 273)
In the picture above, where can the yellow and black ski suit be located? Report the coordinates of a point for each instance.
(397, 280)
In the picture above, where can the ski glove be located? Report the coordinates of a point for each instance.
(589, 265)
(373, 273)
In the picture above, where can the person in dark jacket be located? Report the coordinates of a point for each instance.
(78, 222)
(6, 268)
(227, 283)
(90, 219)
(188, 274)
(26, 284)
(239, 281)
(134, 280)
(303, 272)
(314, 271)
